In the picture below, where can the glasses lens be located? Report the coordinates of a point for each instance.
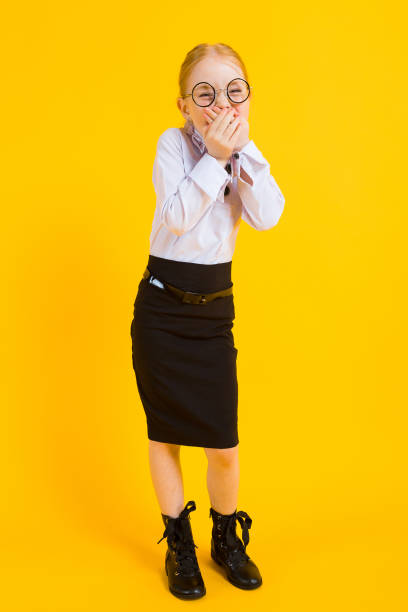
(238, 90)
(203, 94)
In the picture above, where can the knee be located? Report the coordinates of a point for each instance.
(172, 449)
(223, 457)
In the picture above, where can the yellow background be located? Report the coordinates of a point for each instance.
(321, 329)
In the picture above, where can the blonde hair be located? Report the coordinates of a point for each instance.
(201, 51)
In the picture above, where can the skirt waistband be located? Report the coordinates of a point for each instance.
(197, 277)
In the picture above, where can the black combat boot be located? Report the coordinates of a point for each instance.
(229, 552)
(184, 576)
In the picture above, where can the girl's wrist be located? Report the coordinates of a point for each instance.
(221, 161)
(243, 145)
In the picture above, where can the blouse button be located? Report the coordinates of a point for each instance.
(227, 190)
(236, 155)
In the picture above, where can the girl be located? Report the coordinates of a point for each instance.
(207, 175)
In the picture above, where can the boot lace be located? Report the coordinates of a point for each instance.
(179, 537)
(236, 550)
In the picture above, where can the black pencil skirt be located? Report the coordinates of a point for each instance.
(184, 356)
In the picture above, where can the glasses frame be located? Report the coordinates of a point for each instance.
(250, 88)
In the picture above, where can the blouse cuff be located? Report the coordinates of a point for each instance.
(249, 163)
(209, 175)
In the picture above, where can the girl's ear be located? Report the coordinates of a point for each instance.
(180, 104)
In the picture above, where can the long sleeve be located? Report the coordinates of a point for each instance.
(262, 200)
(184, 199)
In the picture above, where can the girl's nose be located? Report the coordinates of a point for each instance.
(221, 105)
(221, 99)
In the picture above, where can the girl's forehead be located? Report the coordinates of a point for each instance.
(216, 72)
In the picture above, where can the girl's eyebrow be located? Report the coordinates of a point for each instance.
(214, 85)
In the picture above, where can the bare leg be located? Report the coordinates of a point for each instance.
(223, 478)
(165, 469)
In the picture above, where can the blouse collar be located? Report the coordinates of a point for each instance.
(195, 135)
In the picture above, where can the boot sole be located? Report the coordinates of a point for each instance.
(240, 586)
(185, 595)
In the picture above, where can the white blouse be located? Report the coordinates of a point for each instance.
(200, 204)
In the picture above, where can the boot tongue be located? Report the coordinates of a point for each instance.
(184, 530)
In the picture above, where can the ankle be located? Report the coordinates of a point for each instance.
(219, 513)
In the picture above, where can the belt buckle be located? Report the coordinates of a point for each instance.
(202, 299)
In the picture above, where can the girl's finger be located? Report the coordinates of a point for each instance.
(235, 133)
(235, 124)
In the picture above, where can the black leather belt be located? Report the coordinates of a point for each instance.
(190, 297)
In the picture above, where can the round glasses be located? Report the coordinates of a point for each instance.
(203, 93)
